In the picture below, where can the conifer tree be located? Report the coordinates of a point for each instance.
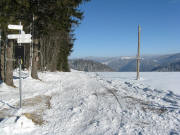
(53, 25)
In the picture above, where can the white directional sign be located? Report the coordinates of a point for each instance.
(24, 40)
(22, 32)
(22, 37)
(15, 27)
(16, 36)
(13, 36)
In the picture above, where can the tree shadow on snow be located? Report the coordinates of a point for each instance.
(6, 112)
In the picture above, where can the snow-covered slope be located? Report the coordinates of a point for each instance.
(79, 103)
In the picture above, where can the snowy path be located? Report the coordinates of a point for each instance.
(87, 104)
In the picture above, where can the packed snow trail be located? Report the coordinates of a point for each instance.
(87, 104)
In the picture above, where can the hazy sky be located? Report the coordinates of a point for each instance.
(109, 28)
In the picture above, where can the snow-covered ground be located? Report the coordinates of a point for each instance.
(159, 80)
(80, 103)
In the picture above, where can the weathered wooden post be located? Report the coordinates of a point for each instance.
(138, 55)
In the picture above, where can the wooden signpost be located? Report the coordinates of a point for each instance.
(138, 54)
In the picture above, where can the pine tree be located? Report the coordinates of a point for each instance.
(8, 10)
(54, 22)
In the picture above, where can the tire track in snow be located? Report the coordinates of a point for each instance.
(158, 108)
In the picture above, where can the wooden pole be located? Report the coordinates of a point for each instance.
(138, 55)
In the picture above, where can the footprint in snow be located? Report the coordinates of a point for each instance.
(172, 102)
(147, 89)
(171, 94)
(128, 84)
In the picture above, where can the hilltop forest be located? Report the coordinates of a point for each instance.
(51, 22)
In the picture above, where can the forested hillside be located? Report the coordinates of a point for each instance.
(51, 22)
(88, 66)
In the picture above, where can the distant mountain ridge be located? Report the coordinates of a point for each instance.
(168, 62)
(168, 68)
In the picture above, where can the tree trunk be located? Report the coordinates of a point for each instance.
(9, 64)
(2, 62)
(35, 60)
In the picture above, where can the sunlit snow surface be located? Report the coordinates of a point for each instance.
(159, 80)
(98, 104)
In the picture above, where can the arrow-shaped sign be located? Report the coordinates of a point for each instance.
(24, 40)
(16, 36)
(15, 27)
(21, 38)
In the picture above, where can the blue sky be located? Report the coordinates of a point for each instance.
(109, 28)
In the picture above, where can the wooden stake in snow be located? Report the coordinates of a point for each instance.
(138, 55)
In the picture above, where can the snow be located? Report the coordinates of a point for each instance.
(127, 58)
(22, 126)
(168, 81)
(92, 104)
(105, 63)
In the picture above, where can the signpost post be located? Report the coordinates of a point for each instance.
(21, 38)
(20, 80)
(20, 84)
